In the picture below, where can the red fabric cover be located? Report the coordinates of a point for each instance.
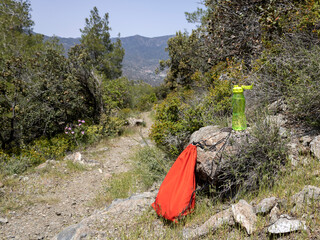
(176, 196)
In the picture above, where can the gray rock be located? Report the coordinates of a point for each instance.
(274, 214)
(23, 178)
(243, 214)
(278, 120)
(277, 107)
(306, 196)
(119, 211)
(315, 147)
(213, 138)
(306, 140)
(135, 122)
(206, 166)
(42, 166)
(294, 149)
(283, 132)
(75, 157)
(266, 205)
(286, 224)
(69, 233)
(204, 133)
(216, 221)
(3, 220)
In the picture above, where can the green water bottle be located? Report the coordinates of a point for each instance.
(239, 121)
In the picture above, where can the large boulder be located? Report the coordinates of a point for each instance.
(213, 144)
(212, 140)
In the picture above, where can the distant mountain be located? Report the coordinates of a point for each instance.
(142, 55)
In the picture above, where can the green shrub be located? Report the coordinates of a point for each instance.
(304, 95)
(291, 72)
(175, 120)
(180, 114)
(116, 93)
(256, 163)
(217, 103)
(17, 164)
(121, 185)
(54, 148)
(150, 165)
(145, 102)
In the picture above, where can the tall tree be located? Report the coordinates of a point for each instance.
(105, 56)
(17, 46)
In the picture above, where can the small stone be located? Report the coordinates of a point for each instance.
(58, 213)
(286, 224)
(266, 205)
(243, 214)
(100, 171)
(3, 220)
(305, 140)
(283, 132)
(107, 175)
(316, 173)
(25, 179)
(42, 166)
(274, 213)
(135, 122)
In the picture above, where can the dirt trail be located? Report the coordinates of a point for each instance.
(41, 204)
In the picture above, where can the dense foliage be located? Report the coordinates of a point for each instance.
(43, 92)
(271, 44)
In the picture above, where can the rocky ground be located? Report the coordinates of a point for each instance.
(58, 194)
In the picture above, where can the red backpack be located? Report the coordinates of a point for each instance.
(176, 196)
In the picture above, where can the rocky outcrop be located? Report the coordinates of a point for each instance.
(119, 212)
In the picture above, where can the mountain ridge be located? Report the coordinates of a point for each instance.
(142, 55)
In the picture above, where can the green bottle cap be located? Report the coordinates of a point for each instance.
(237, 89)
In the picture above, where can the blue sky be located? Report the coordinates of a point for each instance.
(149, 18)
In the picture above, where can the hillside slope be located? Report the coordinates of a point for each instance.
(142, 55)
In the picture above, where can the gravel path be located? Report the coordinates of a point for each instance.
(40, 204)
